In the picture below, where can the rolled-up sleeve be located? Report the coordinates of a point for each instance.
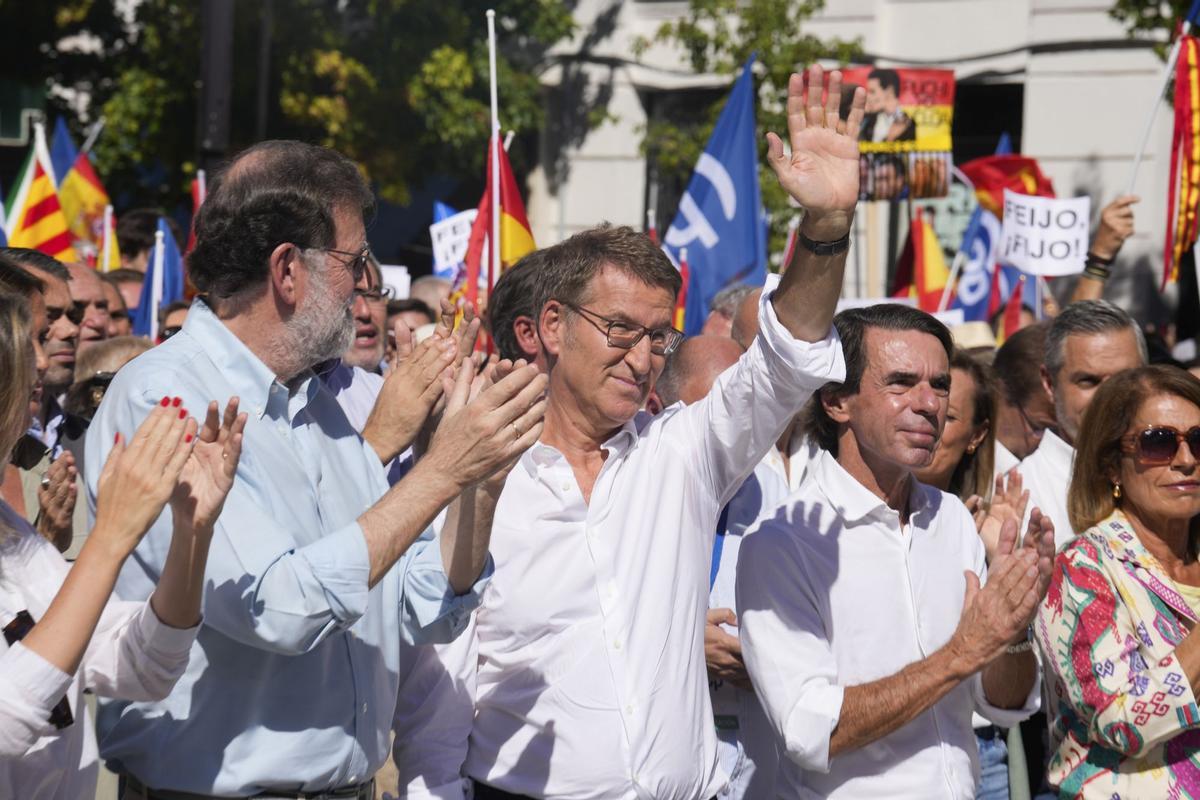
(133, 655)
(752, 402)
(786, 648)
(430, 611)
(30, 687)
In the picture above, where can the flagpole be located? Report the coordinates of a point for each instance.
(156, 291)
(955, 268)
(93, 135)
(202, 182)
(1184, 29)
(105, 243)
(494, 267)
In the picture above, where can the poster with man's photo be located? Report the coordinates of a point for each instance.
(905, 135)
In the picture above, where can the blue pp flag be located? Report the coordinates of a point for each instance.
(1193, 15)
(720, 217)
(156, 294)
(1004, 146)
(62, 151)
(979, 244)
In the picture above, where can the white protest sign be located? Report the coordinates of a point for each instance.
(1044, 235)
(450, 237)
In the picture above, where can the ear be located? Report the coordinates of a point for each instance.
(1048, 384)
(978, 437)
(835, 404)
(284, 265)
(525, 330)
(552, 327)
(654, 403)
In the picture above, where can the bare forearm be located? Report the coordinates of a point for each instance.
(808, 292)
(1008, 680)
(1087, 288)
(61, 636)
(873, 710)
(176, 599)
(398, 519)
(466, 535)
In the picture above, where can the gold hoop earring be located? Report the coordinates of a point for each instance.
(1116, 491)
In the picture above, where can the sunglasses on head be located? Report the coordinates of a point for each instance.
(1158, 445)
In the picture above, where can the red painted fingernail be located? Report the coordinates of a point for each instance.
(177, 401)
(117, 439)
(183, 413)
(187, 438)
(166, 401)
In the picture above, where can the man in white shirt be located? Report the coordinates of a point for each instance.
(1088, 343)
(745, 743)
(863, 626)
(587, 678)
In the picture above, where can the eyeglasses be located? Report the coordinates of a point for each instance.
(626, 335)
(73, 313)
(1157, 446)
(380, 295)
(357, 262)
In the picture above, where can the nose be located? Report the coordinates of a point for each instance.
(362, 311)
(638, 357)
(1185, 459)
(41, 363)
(926, 401)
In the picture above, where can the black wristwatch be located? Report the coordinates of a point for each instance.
(834, 248)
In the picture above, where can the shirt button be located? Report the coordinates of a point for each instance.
(566, 487)
(616, 644)
(629, 710)
(364, 711)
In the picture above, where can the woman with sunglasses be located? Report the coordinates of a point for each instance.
(1117, 626)
(61, 632)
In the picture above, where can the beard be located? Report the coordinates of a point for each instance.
(322, 327)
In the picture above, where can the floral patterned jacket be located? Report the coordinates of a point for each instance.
(1124, 721)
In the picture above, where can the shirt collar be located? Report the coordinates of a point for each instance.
(1056, 451)
(250, 377)
(543, 455)
(852, 500)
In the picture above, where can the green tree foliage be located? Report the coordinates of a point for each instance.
(401, 86)
(717, 36)
(1151, 16)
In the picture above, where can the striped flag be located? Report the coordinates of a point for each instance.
(36, 218)
(921, 271)
(1183, 186)
(83, 202)
(1011, 322)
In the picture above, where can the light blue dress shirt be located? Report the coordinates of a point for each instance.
(294, 675)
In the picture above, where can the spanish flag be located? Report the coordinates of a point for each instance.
(1183, 194)
(35, 215)
(991, 175)
(516, 237)
(83, 201)
(1010, 323)
(921, 271)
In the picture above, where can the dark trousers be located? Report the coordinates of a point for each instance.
(485, 792)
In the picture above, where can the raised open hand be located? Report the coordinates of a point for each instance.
(138, 479)
(822, 171)
(1009, 501)
(208, 474)
(409, 393)
(1039, 538)
(56, 501)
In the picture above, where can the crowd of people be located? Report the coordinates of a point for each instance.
(315, 530)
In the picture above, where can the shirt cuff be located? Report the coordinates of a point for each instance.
(431, 612)
(40, 683)
(174, 644)
(806, 366)
(342, 566)
(417, 790)
(1008, 717)
(810, 726)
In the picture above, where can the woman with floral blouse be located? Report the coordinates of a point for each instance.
(1116, 626)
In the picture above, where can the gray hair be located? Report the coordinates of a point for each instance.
(1088, 318)
(728, 299)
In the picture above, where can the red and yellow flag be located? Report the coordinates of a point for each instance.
(921, 271)
(681, 300)
(991, 175)
(35, 215)
(83, 201)
(516, 237)
(1010, 323)
(1183, 193)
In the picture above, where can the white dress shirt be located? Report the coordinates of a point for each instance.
(1047, 475)
(131, 655)
(588, 675)
(834, 592)
(1003, 461)
(746, 746)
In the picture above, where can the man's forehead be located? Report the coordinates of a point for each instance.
(622, 290)
(887, 348)
(1103, 349)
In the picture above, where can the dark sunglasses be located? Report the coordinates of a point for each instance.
(15, 631)
(1157, 446)
(73, 313)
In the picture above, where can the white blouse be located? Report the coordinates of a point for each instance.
(132, 656)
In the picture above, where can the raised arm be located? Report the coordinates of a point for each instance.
(1116, 225)
(821, 174)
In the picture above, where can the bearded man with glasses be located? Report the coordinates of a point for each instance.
(584, 674)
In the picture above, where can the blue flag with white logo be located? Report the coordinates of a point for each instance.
(157, 293)
(720, 221)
